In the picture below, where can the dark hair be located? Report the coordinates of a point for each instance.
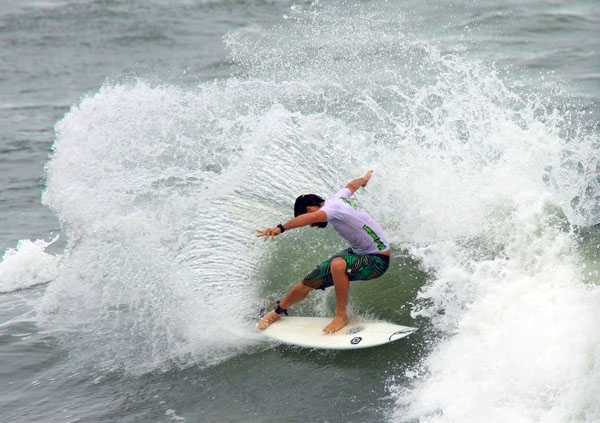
(304, 201)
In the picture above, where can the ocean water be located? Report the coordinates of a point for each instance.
(143, 142)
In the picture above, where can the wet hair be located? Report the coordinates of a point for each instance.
(304, 201)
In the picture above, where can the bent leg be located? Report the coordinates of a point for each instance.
(297, 293)
(342, 286)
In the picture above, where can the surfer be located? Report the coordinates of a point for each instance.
(367, 258)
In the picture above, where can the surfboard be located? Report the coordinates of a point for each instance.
(308, 332)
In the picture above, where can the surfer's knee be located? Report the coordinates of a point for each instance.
(309, 285)
(338, 264)
(302, 287)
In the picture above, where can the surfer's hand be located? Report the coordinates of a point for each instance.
(268, 232)
(355, 184)
(367, 177)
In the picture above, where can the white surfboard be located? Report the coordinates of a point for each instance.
(308, 332)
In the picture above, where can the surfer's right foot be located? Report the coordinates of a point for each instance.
(267, 320)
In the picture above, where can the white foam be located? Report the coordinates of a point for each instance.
(142, 186)
(522, 342)
(27, 265)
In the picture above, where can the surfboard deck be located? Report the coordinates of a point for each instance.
(307, 332)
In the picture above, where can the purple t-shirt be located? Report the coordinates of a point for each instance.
(364, 235)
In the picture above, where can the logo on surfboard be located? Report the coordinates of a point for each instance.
(355, 340)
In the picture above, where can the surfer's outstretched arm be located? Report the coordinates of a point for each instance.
(297, 222)
(355, 184)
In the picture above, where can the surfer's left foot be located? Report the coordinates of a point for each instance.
(336, 324)
(267, 320)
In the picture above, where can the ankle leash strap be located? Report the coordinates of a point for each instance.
(280, 310)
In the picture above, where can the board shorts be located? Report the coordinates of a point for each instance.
(359, 267)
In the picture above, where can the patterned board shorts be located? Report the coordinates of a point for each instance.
(359, 268)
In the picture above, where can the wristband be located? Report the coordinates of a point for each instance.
(281, 228)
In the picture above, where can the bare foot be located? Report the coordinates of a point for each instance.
(267, 320)
(336, 324)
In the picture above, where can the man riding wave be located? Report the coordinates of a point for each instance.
(367, 258)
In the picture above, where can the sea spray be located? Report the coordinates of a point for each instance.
(521, 343)
(159, 189)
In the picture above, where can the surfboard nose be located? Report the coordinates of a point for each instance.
(402, 333)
